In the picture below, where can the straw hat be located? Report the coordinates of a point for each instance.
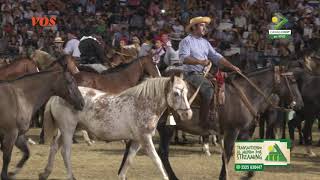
(58, 40)
(198, 20)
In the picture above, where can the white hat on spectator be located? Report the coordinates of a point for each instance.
(58, 40)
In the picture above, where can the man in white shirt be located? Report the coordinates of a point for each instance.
(72, 46)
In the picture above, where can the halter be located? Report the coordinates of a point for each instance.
(186, 109)
(166, 95)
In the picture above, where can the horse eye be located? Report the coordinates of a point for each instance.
(176, 94)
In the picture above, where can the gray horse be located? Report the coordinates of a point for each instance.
(133, 114)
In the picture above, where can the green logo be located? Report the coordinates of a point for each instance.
(279, 20)
(275, 154)
(255, 155)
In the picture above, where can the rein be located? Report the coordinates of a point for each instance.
(193, 97)
(267, 99)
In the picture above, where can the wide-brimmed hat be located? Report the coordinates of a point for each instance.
(58, 40)
(197, 20)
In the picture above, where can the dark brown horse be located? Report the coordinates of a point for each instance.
(18, 68)
(233, 116)
(113, 80)
(22, 97)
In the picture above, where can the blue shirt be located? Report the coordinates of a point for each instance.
(198, 48)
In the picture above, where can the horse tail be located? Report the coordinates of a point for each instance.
(49, 127)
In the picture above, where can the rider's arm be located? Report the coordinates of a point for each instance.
(217, 58)
(227, 64)
(184, 54)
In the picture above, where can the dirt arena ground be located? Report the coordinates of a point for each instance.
(101, 162)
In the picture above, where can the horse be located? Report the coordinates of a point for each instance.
(308, 85)
(22, 97)
(19, 67)
(132, 114)
(112, 81)
(271, 118)
(120, 78)
(235, 115)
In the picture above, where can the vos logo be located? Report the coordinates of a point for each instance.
(44, 21)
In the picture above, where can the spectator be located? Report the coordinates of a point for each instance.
(157, 51)
(154, 9)
(72, 45)
(178, 29)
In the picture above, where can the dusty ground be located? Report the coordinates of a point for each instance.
(101, 162)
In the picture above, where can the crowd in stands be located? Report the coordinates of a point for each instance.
(238, 26)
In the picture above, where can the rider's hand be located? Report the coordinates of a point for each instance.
(235, 68)
(205, 62)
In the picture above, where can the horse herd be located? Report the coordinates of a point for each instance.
(115, 105)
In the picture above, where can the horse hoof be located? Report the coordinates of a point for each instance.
(12, 175)
(42, 176)
(311, 154)
(250, 174)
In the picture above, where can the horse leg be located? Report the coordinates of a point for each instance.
(152, 153)
(247, 136)
(184, 137)
(230, 137)
(292, 124)
(283, 127)
(41, 140)
(301, 138)
(262, 127)
(205, 147)
(22, 144)
(86, 137)
(307, 132)
(7, 145)
(176, 135)
(132, 147)
(55, 146)
(66, 151)
(165, 133)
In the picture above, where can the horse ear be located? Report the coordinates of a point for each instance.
(181, 76)
(172, 78)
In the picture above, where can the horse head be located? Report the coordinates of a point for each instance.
(66, 86)
(177, 97)
(148, 66)
(286, 87)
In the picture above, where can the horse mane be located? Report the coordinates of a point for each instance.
(120, 67)
(42, 54)
(25, 76)
(16, 61)
(59, 60)
(259, 71)
(149, 88)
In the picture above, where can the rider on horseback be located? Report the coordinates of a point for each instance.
(58, 47)
(196, 52)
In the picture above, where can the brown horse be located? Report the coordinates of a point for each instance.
(22, 97)
(18, 68)
(117, 79)
(113, 80)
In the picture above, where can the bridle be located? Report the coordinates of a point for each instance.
(181, 100)
(267, 98)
